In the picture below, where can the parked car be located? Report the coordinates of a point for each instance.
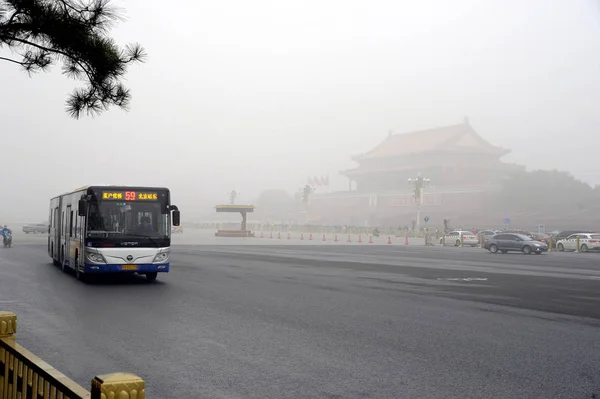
(566, 233)
(561, 235)
(455, 237)
(545, 238)
(505, 242)
(487, 233)
(35, 228)
(519, 231)
(587, 241)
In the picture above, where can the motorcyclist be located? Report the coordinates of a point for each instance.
(6, 233)
(5, 230)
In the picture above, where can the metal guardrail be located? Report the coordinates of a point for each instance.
(23, 375)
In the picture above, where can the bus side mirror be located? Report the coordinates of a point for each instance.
(82, 207)
(176, 218)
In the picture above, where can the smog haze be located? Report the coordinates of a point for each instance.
(260, 95)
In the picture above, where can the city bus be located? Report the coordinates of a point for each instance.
(112, 229)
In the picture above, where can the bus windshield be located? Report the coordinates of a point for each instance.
(128, 218)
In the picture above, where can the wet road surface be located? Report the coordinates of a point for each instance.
(321, 322)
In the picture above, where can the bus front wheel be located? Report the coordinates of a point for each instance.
(151, 276)
(80, 275)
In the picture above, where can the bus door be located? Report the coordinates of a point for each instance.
(77, 237)
(56, 226)
(78, 231)
(63, 235)
(68, 235)
(60, 217)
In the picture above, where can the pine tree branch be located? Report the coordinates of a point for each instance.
(76, 33)
(12, 17)
(56, 51)
(29, 43)
(11, 60)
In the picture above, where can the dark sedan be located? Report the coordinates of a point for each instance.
(545, 238)
(505, 242)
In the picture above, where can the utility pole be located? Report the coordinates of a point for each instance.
(419, 184)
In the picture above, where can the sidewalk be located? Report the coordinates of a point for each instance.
(206, 237)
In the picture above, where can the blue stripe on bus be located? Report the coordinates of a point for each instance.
(142, 268)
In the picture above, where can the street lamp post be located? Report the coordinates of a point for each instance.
(419, 184)
(305, 193)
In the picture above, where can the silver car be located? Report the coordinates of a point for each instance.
(457, 236)
(35, 228)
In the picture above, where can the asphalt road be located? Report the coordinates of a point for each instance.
(251, 321)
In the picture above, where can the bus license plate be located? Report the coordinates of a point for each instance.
(129, 267)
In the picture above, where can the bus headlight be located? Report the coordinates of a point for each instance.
(161, 257)
(95, 258)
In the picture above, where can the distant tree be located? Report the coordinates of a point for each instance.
(545, 189)
(40, 32)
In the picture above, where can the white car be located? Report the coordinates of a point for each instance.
(455, 237)
(587, 241)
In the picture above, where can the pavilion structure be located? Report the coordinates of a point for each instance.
(241, 209)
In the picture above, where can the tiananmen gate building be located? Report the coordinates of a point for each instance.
(464, 169)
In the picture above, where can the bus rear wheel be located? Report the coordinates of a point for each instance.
(151, 276)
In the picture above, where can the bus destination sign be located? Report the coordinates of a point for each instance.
(129, 196)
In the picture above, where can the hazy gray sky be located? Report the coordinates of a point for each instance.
(262, 94)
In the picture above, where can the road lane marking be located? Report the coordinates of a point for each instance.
(462, 279)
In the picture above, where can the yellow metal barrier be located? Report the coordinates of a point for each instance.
(24, 375)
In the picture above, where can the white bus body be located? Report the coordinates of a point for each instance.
(112, 229)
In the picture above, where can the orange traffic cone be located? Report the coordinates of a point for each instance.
(359, 239)
(389, 241)
(406, 240)
(370, 239)
(349, 238)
